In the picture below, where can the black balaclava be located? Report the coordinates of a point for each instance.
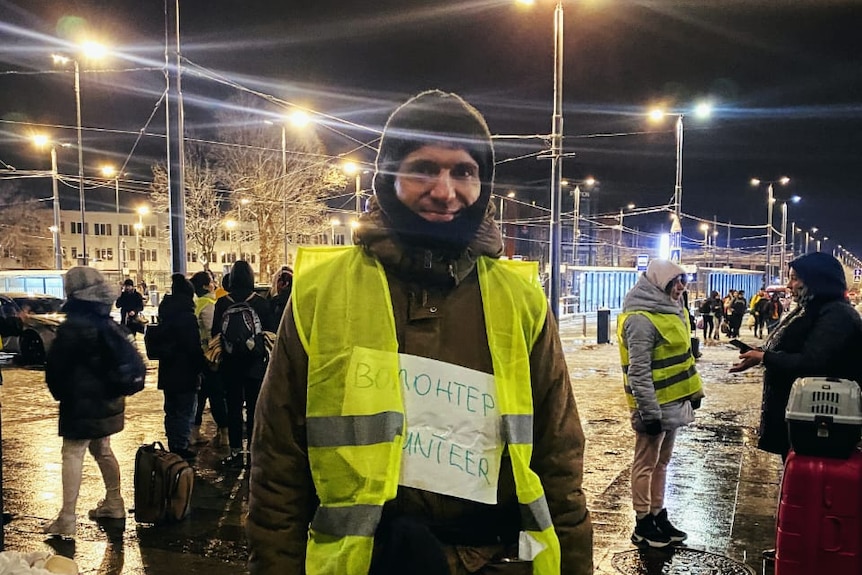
(433, 117)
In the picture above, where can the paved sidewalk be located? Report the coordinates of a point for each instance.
(722, 490)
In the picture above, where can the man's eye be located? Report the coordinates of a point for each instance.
(423, 169)
(464, 171)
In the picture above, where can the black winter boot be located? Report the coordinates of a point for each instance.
(646, 531)
(663, 523)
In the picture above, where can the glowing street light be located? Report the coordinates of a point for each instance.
(770, 199)
(90, 50)
(702, 110)
(783, 257)
(354, 169)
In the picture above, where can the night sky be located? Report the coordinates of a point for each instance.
(785, 78)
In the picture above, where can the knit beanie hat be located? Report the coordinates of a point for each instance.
(433, 118)
(822, 274)
(661, 272)
(128, 282)
(180, 286)
(88, 284)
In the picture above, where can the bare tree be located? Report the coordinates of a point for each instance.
(24, 234)
(202, 201)
(282, 193)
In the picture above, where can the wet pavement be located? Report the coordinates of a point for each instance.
(721, 489)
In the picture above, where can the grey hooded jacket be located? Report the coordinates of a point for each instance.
(641, 337)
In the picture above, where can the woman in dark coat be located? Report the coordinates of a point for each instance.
(90, 410)
(821, 337)
(181, 363)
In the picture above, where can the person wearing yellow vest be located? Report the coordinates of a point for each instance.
(211, 386)
(662, 388)
(417, 415)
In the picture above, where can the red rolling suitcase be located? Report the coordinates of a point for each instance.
(820, 516)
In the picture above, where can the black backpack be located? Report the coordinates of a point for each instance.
(241, 330)
(123, 367)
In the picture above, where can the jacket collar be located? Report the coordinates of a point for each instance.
(423, 264)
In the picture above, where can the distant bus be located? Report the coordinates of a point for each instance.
(33, 281)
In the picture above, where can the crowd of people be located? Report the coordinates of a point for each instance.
(362, 465)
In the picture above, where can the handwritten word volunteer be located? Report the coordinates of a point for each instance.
(468, 397)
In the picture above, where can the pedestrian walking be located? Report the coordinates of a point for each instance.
(130, 302)
(738, 305)
(423, 297)
(662, 388)
(820, 337)
(78, 372)
(181, 362)
(244, 356)
(211, 388)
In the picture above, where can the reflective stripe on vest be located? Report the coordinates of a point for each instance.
(355, 414)
(674, 374)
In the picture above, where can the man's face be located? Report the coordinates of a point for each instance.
(129, 288)
(794, 284)
(437, 182)
(677, 288)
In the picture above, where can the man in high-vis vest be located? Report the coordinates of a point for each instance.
(417, 414)
(662, 389)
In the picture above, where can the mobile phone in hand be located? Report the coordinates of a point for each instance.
(742, 346)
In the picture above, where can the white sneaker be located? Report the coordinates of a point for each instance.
(63, 525)
(109, 509)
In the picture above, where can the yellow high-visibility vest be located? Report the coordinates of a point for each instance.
(200, 303)
(355, 411)
(674, 374)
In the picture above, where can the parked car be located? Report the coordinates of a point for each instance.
(41, 316)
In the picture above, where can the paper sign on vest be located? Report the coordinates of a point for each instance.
(452, 444)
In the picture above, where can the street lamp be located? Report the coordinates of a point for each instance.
(808, 236)
(589, 182)
(40, 142)
(629, 206)
(556, 157)
(783, 260)
(242, 202)
(297, 119)
(705, 229)
(770, 199)
(702, 110)
(231, 226)
(94, 51)
(111, 172)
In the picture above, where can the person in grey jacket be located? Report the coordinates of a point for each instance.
(662, 387)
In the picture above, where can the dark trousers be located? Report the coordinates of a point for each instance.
(708, 326)
(179, 412)
(240, 391)
(212, 389)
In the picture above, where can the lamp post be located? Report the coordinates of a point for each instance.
(629, 206)
(783, 252)
(90, 50)
(576, 215)
(111, 172)
(41, 141)
(701, 110)
(808, 236)
(770, 199)
(242, 202)
(298, 119)
(231, 226)
(556, 157)
(139, 229)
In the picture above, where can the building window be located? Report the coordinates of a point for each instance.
(74, 253)
(125, 230)
(101, 229)
(75, 227)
